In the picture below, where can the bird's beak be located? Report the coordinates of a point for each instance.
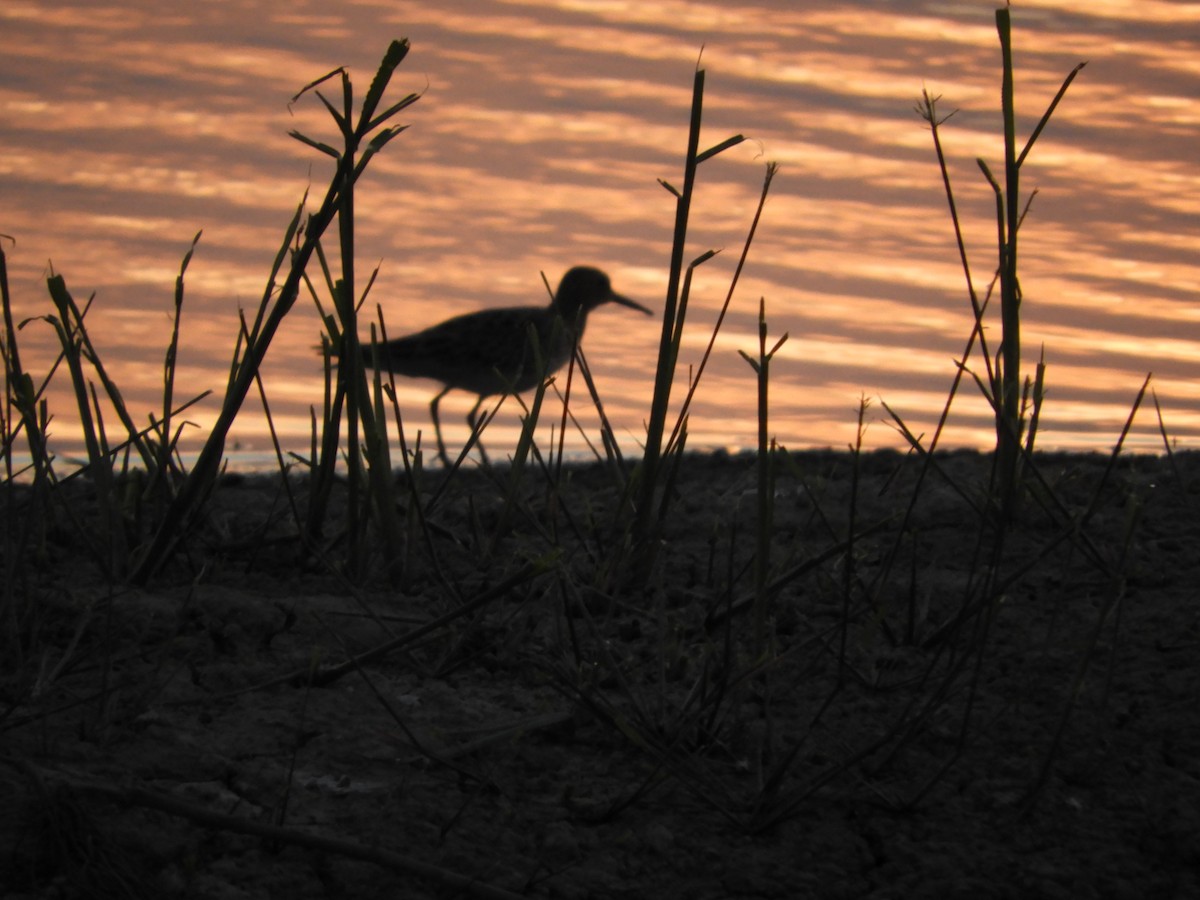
(614, 297)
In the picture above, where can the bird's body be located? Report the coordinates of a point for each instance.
(486, 352)
(491, 352)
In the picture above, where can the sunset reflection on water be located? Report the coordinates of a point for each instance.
(537, 144)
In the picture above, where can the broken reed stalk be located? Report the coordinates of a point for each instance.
(69, 325)
(19, 392)
(1003, 388)
(111, 532)
(681, 418)
(1006, 392)
(21, 530)
(364, 407)
(73, 325)
(674, 309)
(1009, 424)
(326, 431)
(166, 445)
(273, 309)
(766, 445)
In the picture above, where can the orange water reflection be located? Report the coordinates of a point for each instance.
(537, 145)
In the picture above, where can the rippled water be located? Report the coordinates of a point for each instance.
(537, 144)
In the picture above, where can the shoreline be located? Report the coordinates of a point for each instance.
(939, 708)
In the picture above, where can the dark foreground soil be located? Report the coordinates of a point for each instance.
(937, 714)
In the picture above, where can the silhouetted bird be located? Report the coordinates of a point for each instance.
(490, 352)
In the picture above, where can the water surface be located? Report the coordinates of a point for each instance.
(537, 144)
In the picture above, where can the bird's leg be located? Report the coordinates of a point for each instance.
(473, 421)
(437, 427)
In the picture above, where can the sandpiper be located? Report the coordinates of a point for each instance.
(489, 352)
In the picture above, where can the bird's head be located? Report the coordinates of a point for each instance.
(584, 288)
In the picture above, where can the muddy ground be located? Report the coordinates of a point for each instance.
(938, 712)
